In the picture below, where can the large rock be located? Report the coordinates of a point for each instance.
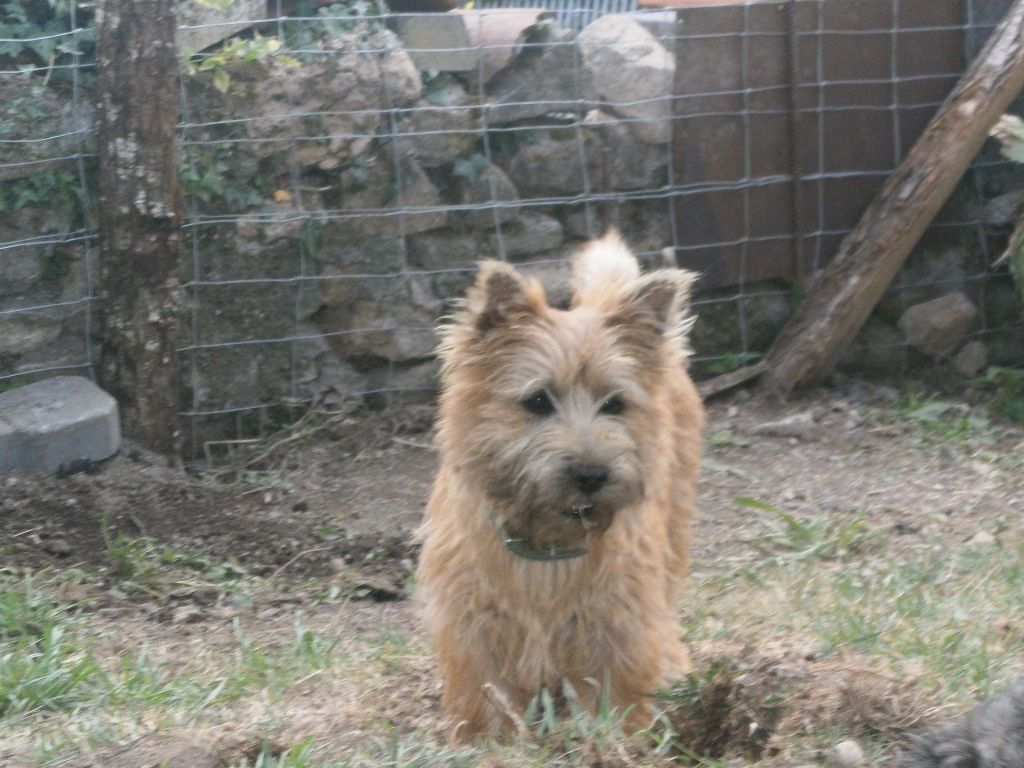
(615, 154)
(439, 128)
(719, 329)
(437, 41)
(376, 199)
(341, 94)
(23, 332)
(878, 349)
(320, 375)
(305, 368)
(632, 73)
(257, 245)
(646, 225)
(42, 258)
(930, 273)
(1003, 209)
(551, 163)
(201, 25)
(266, 248)
(44, 295)
(415, 376)
(971, 359)
(548, 165)
(490, 196)
(533, 233)
(545, 77)
(939, 326)
(447, 249)
(385, 316)
(377, 255)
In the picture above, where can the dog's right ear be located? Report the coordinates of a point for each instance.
(502, 296)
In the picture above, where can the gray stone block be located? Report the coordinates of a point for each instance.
(56, 422)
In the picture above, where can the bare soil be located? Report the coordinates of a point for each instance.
(360, 499)
(341, 508)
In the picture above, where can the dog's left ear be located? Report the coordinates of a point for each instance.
(659, 301)
(502, 296)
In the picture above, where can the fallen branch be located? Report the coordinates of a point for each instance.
(847, 290)
(725, 382)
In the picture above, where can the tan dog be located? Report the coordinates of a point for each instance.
(556, 537)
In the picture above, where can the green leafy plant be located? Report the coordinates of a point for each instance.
(1009, 131)
(1006, 386)
(823, 538)
(941, 421)
(240, 51)
(331, 22)
(40, 35)
(211, 173)
(52, 188)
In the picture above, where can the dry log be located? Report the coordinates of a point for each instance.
(140, 215)
(848, 289)
(727, 381)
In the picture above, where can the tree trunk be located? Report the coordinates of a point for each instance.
(140, 215)
(848, 289)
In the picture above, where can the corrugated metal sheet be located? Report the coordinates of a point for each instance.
(569, 13)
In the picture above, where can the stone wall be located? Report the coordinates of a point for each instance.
(379, 184)
(343, 184)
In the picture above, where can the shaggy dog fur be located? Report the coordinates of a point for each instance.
(556, 537)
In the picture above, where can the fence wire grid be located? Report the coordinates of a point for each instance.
(345, 169)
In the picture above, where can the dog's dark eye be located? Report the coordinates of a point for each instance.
(539, 403)
(613, 406)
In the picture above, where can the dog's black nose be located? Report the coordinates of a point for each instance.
(590, 478)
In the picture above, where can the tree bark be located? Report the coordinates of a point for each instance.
(848, 289)
(140, 215)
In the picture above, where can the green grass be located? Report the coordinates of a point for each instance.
(972, 430)
(954, 614)
(825, 537)
(50, 662)
(141, 564)
(44, 663)
(1004, 389)
(936, 421)
(949, 619)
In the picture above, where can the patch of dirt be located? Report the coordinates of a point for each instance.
(324, 504)
(748, 701)
(356, 493)
(844, 460)
(172, 750)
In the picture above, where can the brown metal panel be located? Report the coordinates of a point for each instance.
(865, 126)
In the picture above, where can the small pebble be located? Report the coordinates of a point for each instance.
(845, 754)
(982, 537)
(58, 547)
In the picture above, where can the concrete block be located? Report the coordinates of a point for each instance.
(53, 423)
(200, 26)
(438, 41)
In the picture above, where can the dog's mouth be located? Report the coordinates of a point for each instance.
(584, 514)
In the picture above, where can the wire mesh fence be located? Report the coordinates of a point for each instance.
(346, 168)
(47, 226)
